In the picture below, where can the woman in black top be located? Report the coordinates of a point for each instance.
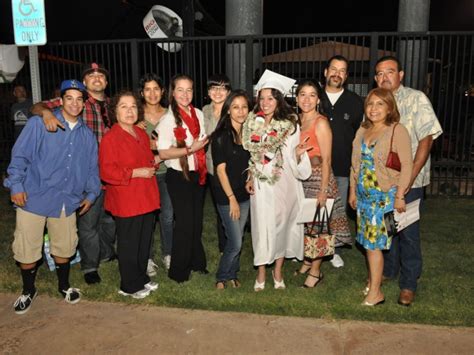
(232, 200)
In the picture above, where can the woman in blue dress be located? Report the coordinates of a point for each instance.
(376, 189)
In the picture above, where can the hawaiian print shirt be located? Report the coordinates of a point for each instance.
(418, 116)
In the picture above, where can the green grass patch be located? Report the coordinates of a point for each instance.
(445, 295)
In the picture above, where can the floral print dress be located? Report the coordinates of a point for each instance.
(372, 204)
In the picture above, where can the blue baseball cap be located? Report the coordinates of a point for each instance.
(72, 84)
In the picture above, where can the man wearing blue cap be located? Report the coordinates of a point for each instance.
(50, 176)
(97, 227)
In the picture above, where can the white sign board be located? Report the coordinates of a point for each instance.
(29, 22)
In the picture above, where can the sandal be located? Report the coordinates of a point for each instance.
(221, 285)
(298, 271)
(235, 283)
(318, 278)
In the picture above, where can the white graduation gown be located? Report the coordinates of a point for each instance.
(274, 208)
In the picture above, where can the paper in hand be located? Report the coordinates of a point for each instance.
(308, 209)
(411, 215)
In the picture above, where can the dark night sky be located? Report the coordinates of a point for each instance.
(115, 19)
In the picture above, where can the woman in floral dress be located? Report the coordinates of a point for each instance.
(376, 189)
(277, 162)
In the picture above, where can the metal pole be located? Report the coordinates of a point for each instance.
(34, 73)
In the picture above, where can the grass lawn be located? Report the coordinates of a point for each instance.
(445, 295)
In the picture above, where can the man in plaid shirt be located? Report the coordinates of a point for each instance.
(96, 227)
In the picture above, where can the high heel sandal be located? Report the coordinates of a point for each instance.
(298, 271)
(318, 278)
(278, 285)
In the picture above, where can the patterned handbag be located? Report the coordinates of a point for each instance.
(318, 244)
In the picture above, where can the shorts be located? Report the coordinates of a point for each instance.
(28, 236)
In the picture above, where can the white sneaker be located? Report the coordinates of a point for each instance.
(167, 261)
(337, 261)
(152, 286)
(137, 295)
(151, 268)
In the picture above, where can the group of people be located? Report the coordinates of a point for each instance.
(148, 152)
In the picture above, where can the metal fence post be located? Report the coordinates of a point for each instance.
(249, 69)
(135, 63)
(374, 44)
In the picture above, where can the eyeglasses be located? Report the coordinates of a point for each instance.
(218, 89)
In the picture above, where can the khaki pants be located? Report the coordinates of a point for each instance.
(28, 237)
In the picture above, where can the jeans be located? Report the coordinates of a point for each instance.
(230, 260)
(166, 219)
(343, 187)
(96, 231)
(404, 255)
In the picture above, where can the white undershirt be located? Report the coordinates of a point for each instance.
(71, 124)
(334, 96)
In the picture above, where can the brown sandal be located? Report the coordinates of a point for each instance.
(221, 285)
(319, 279)
(298, 271)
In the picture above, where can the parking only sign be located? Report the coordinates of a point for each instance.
(29, 22)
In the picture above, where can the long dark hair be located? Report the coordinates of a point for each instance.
(183, 161)
(146, 78)
(283, 110)
(115, 100)
(225, 122)
(319, 92)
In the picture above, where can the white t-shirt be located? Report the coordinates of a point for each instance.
(334, 96)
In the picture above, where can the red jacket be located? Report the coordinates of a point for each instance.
(119, 154)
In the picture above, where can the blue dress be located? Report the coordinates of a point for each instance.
(372, 204)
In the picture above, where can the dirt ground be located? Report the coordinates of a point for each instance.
(54, 327)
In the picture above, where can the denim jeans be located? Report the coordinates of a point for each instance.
(234, 229)
(404, 255)
(96, 230)
(343, 187)
(166, 219)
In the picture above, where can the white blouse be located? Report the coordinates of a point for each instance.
(166, 138)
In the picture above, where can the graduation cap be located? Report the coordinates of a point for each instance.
(272, 80)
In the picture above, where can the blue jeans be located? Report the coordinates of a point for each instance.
(96, 230)
(166, 219)
(229, 264)
(343, 187)
(404, 255)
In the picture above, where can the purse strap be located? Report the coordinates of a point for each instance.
(393, 132)
(325, 219)
(316, 215)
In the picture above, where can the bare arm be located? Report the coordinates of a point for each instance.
(224, 181)
(174, 152)
(324, 135)
(421, 156)
(50, 121)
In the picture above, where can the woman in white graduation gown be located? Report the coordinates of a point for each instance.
(278, 163)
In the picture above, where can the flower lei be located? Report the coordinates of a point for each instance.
(265, 144)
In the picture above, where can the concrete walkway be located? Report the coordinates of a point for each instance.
(54, 327)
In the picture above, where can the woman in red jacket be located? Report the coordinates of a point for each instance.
(127, 166)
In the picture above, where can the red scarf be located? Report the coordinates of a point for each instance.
(199, 156)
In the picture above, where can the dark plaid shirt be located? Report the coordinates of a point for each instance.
(94, 117)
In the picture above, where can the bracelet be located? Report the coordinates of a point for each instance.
(229, 196)
(326, 190)
(400, 198)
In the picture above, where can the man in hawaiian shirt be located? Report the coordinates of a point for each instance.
(417, 115)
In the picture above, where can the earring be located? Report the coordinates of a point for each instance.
(317, 108)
